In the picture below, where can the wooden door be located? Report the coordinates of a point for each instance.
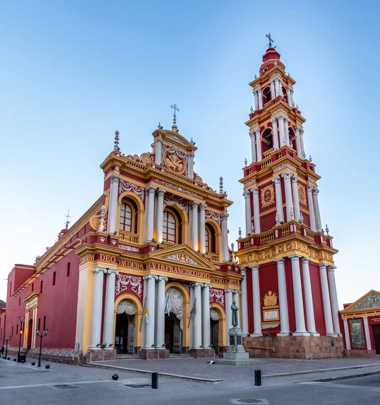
(376, 335)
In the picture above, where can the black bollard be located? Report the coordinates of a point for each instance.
(257, 378)
(155, 380)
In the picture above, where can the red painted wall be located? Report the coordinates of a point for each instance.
(316, 289)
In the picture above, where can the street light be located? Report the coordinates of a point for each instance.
(6, 345)
(20, 333)
(46, 330)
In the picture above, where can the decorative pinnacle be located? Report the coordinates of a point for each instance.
(327, 229)
(67, 219)
(245, 162)
(159, 126)
(310, 159)
(270, 39)
(221, 185)
(251, 109)
(175, 108)
(239, 232)
(116, 147)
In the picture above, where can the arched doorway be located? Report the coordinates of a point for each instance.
(125, 327)
(214, 328)
(173, 320)
(30, 332)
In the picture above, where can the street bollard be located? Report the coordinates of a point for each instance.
(155, 380)
(257, 378)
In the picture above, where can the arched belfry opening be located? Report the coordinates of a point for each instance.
(268, 139)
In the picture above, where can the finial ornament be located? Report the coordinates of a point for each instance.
(310, 159)
(255, 76)
(277, 219)
(221, 185)
(116, 147)
(159, 126)
(270, 39)
(327, 229)
(175, 108)
(67, 216)
(239, 232)
(245, 162)
(251, 109)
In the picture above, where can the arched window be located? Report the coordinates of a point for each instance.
(268, 139)
(267, 94)
(210, 239)
(169, 233)
(125, 218)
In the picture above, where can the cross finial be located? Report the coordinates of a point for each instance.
(175, 108)
(116, 147)
(221, 185)
(270, 39)
(67, 219)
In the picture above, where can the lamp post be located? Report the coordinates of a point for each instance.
(41, 336)
(6, 346)
(20, 332)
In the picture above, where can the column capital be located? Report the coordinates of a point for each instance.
(331, 268)
(151, 188)
(310, 188)
(252, 133)
(277, 180)
(243, 272)
(294, 257)
(246, 194)
(115, 178)
(229, 290)
(112, 271)
(150, 277)
(205, 285)
(202, 207)
(315, 191)
(281, 117)
(255, 268)
(281, 260)
(161, 278)
(161, 191)
(194, 204)
(294, 179)
(197, 285)
(99, 269)
(286, 175)
(323, 265)
(255, 190)
(224, 216)
(305, 259)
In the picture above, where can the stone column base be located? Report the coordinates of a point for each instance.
(154, 354)
(202, 352)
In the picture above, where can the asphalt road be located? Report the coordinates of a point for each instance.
(66, 384)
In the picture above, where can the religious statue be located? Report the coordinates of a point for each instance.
(235, 309)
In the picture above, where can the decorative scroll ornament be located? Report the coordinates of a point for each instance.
(181, 257)
(127, 307)
(302, 194)
(217, 296)
(213, 215)
(146, 158)
(267, 196)
(125, 282)
(270, 299)
(127, 186)
(178, 203)
(214, 315)
(176, 302)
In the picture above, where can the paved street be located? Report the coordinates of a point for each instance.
(191, 381)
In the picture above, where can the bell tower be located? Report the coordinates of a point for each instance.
(286, 255)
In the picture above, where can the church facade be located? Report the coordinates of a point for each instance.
(148, 270)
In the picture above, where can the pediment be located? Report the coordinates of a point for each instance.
(369, 301)
(182, 255)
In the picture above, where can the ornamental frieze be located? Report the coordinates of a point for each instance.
(177, 188)
(217, 295)
(128, 283)
(181, 257)
(127, 186)
(213, 215)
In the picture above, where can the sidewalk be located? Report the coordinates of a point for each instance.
(272, 370)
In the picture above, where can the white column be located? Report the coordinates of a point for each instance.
(149, 322)
(160, 212)
(282, 131)
(366, 332)
(256, 209)
(202, 228)
(346, 334)
(160, 312)
(259, 155)
(112, 211)
(225, 256)
(280, 211)
(247, 200)
(244, 302)
(97, 306)
(302, 145)
(326, 301)
(288, 196)
(150, 212)
(298, 143)
(197, 317)
(279, 87)
(158, 154)
(334, 299)
(286, 125)
(109, 308)
(296, 203)
(260, 97)
(289, 97)
(253, 146)
(308, 297)
(256, 302)
(275, 133)
(298, 300)
(272, 89)
(190, 162)
(228, 294)
(316, 210)
(254, 91)
(194, 225)
(282, 298)
(206, 316)
(311, 208)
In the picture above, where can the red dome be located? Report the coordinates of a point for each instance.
(271, 54)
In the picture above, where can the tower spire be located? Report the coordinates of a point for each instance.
(175, 109)
(67, 216)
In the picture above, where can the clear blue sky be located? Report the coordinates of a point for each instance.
(72, 72)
